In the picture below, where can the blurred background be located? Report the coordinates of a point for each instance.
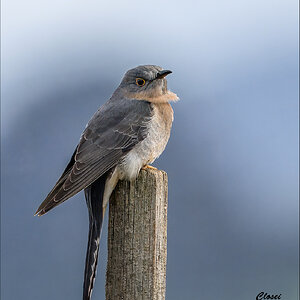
(232, 159)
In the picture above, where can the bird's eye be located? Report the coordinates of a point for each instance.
(140, 81)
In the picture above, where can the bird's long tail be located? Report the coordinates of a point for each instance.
(94, 199)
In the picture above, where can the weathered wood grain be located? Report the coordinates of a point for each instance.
(137, 238)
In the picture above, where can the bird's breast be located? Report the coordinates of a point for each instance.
(152, 146)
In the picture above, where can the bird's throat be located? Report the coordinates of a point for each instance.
(163, 98)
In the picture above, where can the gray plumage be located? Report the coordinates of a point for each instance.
(128, 132)
(110, 134)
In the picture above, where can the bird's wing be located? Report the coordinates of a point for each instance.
(113, 131)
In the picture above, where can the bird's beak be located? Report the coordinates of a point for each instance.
(163, 73)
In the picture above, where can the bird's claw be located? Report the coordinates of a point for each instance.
(148, 167)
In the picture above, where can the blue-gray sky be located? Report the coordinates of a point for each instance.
(232, 159)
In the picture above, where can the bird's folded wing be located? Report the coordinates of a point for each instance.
(113, 131)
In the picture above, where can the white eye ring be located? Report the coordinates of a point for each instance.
(140, 81)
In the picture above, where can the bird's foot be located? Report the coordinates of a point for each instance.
(148, 167)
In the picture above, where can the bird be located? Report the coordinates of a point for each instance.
(126, 134)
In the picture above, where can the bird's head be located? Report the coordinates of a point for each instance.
(147, 83)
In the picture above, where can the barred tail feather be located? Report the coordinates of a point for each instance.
(94, 199)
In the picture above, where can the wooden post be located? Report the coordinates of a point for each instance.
(137, 238)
